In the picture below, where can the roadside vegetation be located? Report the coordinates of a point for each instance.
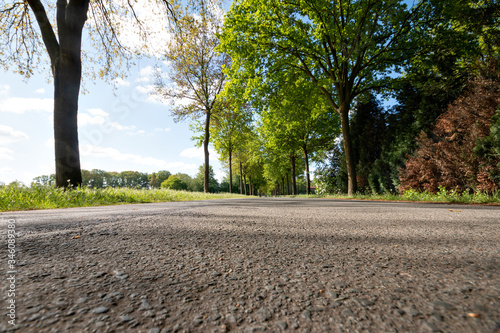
(394, 101)
(14, 197)
(442, 196)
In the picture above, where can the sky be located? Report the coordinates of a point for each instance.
(121, 127)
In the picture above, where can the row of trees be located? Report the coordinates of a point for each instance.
(98, 179)
(275, 85)
(312, 70)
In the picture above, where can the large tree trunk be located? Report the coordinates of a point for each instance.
(294, 180)
(206, 178)
(308, 176)
(230, 171)
(349, 157)
(67, 71)
(67, 155)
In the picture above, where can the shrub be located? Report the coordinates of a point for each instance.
(446, 157)
(174, 183)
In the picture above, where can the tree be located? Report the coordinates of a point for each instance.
(174, 183)
(458, 41)
(95, 178)
(368, 127)
(199, 181)
(186, 179)
(133, 179)
(21, 41)
(450, 156)
(229, 128)
(44, 180)
(157, 178)
(298, 119)
(196, 78)
(347, 48)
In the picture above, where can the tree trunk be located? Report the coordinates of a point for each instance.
(287, 184)
(250, 189)
(206, 178)
(67, 71)
(349, 157)
(241, 178)
(230, 171)
(308, 176)
(294, 180)
(245, 183)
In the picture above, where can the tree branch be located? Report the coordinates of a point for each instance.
(48, 35)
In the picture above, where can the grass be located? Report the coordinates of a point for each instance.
(442, 196)
(13, 198)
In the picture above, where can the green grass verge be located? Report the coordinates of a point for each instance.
(38, 197)
(14, 198)
(443, 196)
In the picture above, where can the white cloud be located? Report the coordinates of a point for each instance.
(145, 89)
(119, 127)
(119, 82)
(4, 89)
(40, 91)
(85, 119)
(9, 135)
(98, 112)
(149, 97)
(6, 154)
(114, 154)
(139, 132)
(162, 129)
(146, 74)
(101, 117)
(197, 152)
(21, 105)
(6, 170)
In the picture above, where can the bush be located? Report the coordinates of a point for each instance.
(174, 183)
(446, 157)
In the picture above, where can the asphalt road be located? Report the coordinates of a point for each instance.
(262, 264)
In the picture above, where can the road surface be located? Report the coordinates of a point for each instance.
(254, 265)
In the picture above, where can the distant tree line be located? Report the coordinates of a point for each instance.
(98, 179)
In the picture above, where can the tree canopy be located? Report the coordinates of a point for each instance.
(347, 48)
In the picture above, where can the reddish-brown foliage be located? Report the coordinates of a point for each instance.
(445, 157)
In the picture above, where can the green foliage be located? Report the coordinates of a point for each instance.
(198, 180)
(331, 172)
(157, 178)
(346, 48)
(174, 183)
(452, 196)
(368, 128)
(489, 146)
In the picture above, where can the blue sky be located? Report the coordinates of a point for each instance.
(119, 129)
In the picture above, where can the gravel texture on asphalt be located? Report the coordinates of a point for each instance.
(256, 265)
